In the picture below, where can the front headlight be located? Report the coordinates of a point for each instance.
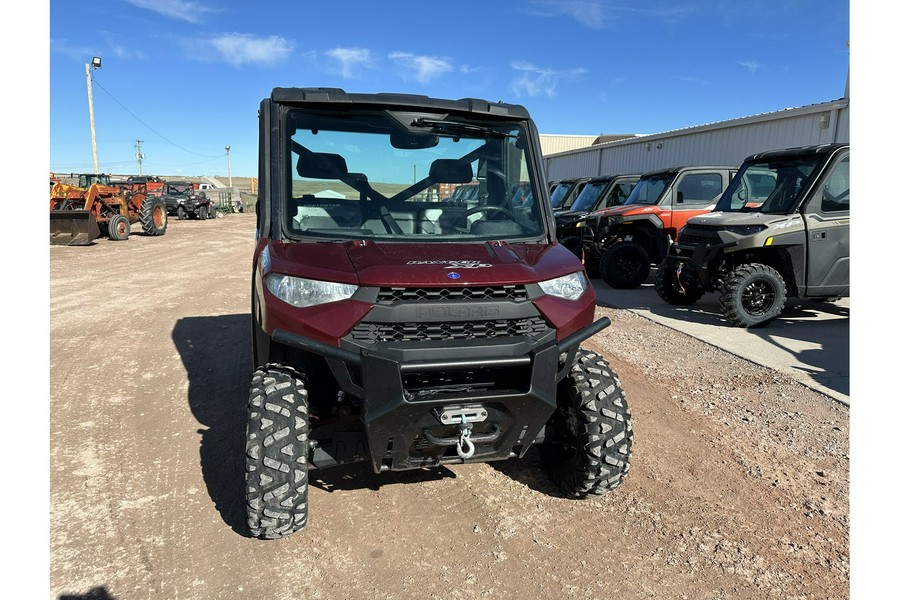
(570, 287)
(307, 292)
(745, 229)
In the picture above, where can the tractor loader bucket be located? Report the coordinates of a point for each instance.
(73, 227)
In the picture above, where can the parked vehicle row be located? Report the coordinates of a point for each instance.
(776, 227)
(98, 206)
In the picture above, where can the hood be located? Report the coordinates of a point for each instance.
(721, 219)
(378, 264)
(569, 217)
(627, 209)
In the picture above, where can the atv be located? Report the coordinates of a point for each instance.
(411, 333)
(781, 229)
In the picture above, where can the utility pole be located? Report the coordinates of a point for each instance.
(88, 69)
(139, 155)
(228, 154)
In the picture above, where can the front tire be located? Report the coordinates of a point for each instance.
(119, 228)
(625, 265)
(588, 448)
(682, 289)
(182, 214)
(277, 473)
(202, 213)
(752, 295)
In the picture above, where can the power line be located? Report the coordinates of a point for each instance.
(147, 126)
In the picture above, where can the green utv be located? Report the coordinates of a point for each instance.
(780, 230)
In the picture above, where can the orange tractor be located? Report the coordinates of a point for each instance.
(78, 215)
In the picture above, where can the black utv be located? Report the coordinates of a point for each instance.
(780, 230)
(603, 191)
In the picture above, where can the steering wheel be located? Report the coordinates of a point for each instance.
(486, 207)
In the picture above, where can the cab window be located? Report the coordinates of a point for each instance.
(836, 191)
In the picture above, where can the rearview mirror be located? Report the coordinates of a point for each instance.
(413, 141)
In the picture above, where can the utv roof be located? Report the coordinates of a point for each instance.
(333, 96)
(675, 170)
(611, 177)
(821, 149)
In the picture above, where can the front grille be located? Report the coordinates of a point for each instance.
(370, 333)
(699, 235)
(516, 293)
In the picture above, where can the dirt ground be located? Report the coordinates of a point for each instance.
(738, 487)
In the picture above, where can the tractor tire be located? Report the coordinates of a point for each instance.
(277, 473)
(625, 265)
(202, 213)
(681, 290)
(752, 295)
(182, 214)
(154, 218)
(119, 228)
(587, 451)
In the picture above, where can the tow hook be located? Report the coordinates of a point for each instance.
(464, 447)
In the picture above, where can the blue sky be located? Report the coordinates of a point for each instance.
(186, 76)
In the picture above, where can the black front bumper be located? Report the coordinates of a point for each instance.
(405, 388)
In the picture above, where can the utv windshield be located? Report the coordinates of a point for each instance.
(649, 190)
(560, 192)
(179, 188)
(589, 195)
(408, 177)
(773, 187)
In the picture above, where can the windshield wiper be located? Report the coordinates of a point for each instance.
(452, 127)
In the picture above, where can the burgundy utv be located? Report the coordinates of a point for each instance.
(395, 325)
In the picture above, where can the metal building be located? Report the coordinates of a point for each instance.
(552, 143)
(722, 143)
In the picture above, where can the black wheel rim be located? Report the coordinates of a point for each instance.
(758, 298)
(627, 266)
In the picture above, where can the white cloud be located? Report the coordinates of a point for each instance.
(350, 60)
(78, 52)
(113, 45)
(238, 49)
(538, 81)
(598, 14)
(751, 65)
(182, 10)
(421, 68)
(591, 13)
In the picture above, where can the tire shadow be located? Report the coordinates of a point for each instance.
(530, 472)
(216, 353)
(358, 476)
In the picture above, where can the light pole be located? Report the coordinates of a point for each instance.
(139, 155)
(228, 154)
(88, 69)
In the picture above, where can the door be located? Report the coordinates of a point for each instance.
(827, 216)
(696, 193)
